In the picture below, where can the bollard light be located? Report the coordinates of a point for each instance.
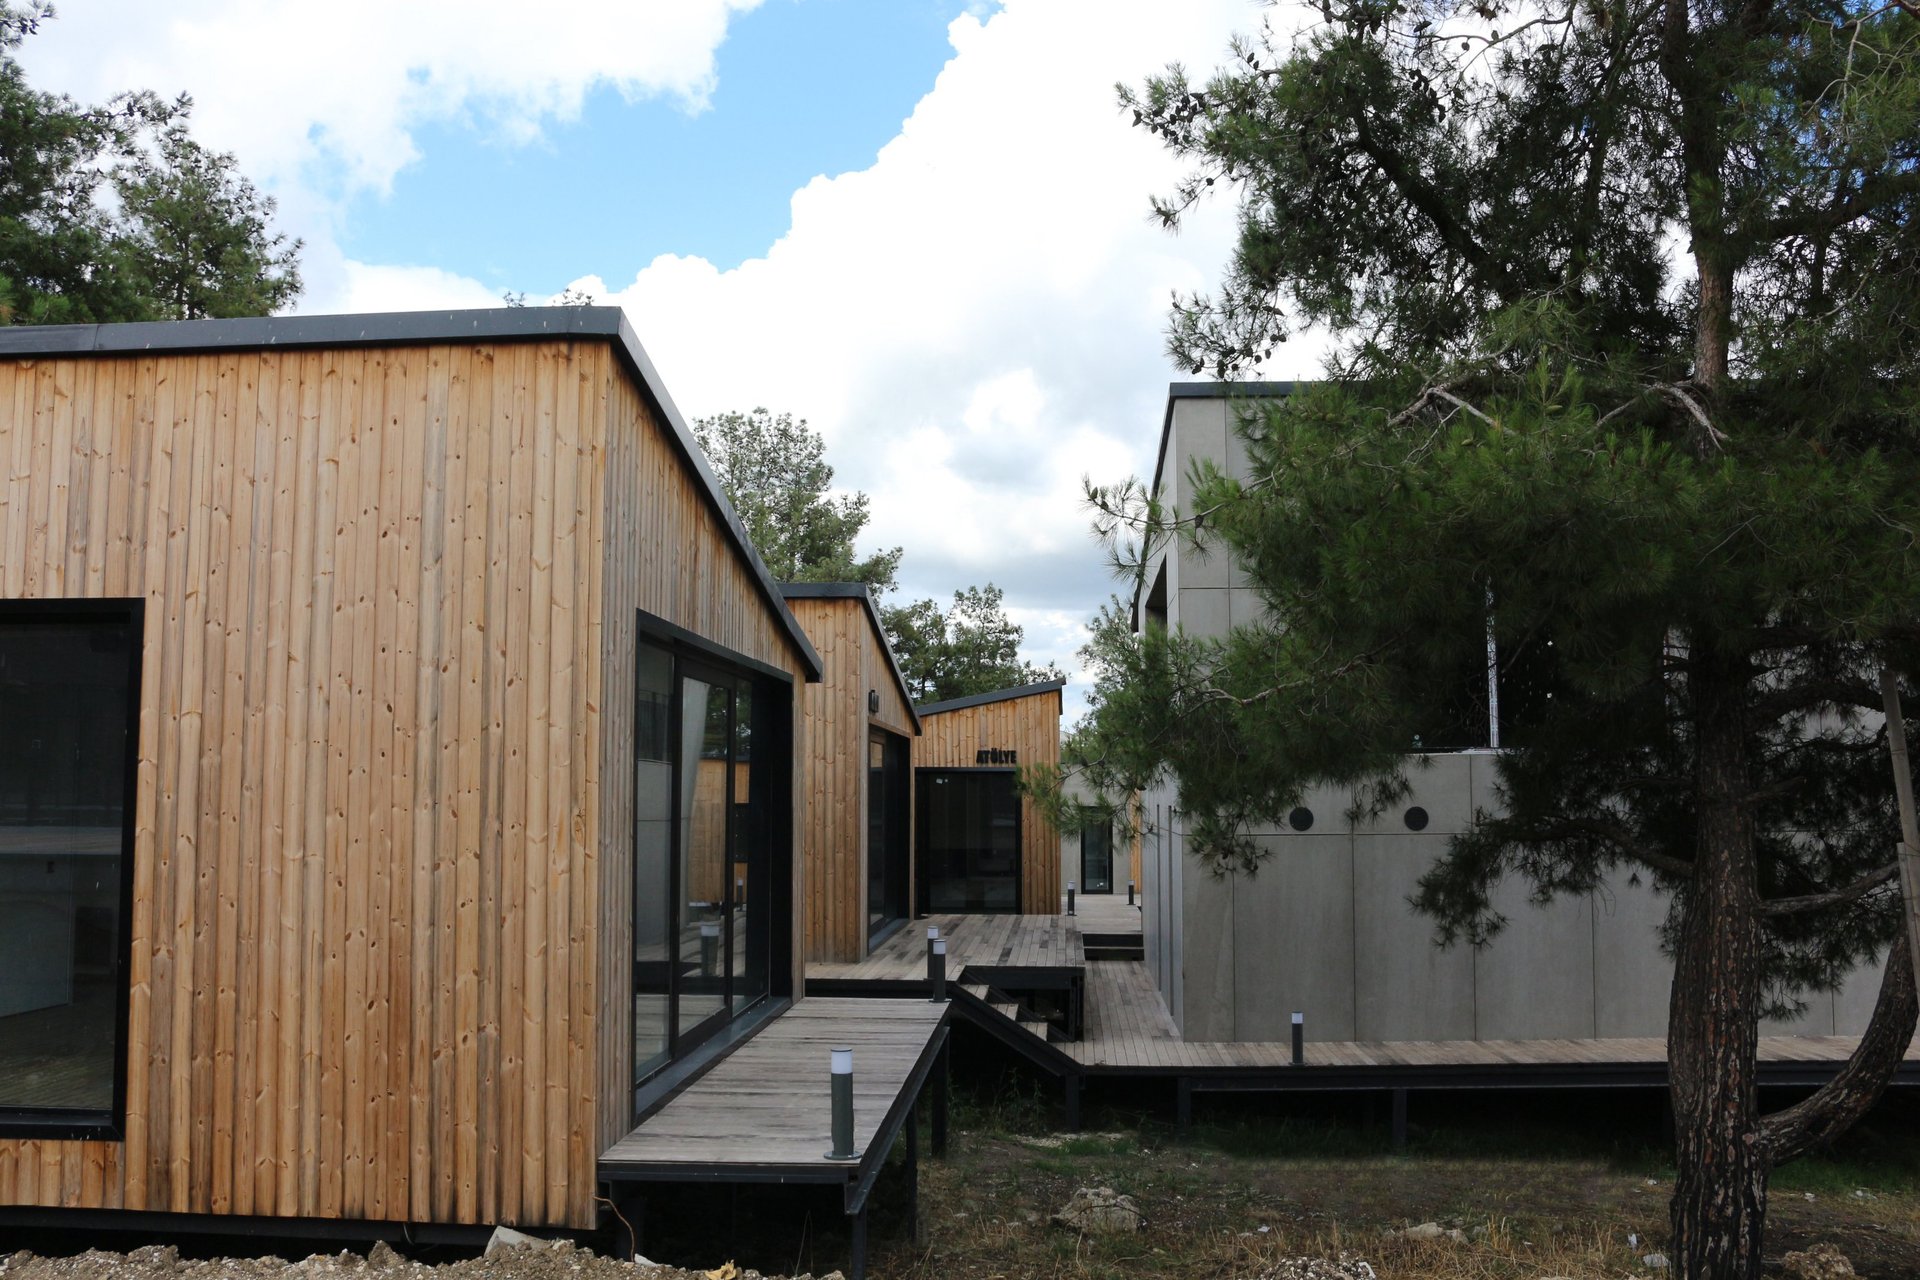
(840, 1063)
(937, 969)
(1070, 888)
(1129, 893)
(1299, 1038)
(709, 946)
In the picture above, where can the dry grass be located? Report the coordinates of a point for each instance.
(1213, 1216)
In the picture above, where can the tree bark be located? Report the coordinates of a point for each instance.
(1839, 1103)
(1720, 1193)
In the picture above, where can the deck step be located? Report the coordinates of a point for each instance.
(978, 990)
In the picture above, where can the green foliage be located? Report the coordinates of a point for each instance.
(773, 468)
(968, 649)
(115, 213)
(774, 471)
(1679, 490)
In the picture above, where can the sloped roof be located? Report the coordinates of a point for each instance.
(998, 695)
(857, 591)
(402, 328)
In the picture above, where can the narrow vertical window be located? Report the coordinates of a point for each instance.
(69, 689)
(652, 860)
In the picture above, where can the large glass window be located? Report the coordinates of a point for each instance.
(69, 677)
(969, 840)
(703, 883)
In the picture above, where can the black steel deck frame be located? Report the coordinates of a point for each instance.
(857, 1178)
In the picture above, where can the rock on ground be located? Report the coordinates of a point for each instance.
(1099, 1211)
(541, 1260)
(1345, 1267)
(1821, 1262)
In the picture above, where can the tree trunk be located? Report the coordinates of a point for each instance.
(1720, 1194)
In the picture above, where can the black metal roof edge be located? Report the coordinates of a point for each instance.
(386, 328)
(826, 590)
(998, 695)
(627, 343)
(1199, 391)
(487, 324)
(862, 592)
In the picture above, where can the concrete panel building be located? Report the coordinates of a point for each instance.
(1324, 927)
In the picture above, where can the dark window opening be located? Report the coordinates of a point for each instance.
(969, 840)
(1096, 858)
(1157, 598)
(888, 856)
(69, 709)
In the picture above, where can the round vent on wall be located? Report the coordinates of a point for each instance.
(1300, 819)
(1416, 819)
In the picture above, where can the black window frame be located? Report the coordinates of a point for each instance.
(56, 1124)
(772, 690)
(923, 836)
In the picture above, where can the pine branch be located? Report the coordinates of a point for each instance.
(1856, 1086)
(1807, 694)
(1821, 901)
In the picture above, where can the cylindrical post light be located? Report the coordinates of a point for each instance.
(1299, 1038)
(1129, 893)
(709, 946)
(937, 969)
(841, 1063)
(1070, 888)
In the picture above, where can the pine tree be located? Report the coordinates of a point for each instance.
(1628, 369)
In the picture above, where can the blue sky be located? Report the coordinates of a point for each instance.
(922, 225)
(805, 87)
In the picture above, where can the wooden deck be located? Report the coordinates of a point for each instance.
(1128, 1031)
(987, 941)
(1104, 913)
(764, 1113)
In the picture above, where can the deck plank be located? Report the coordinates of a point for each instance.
(768, 1104)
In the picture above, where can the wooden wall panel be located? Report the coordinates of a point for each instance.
(368, 820)
(1030, 726)
(835, 723)
(663, 549)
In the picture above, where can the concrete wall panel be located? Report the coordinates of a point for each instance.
(1207, 952)
(1853, 1002)
(1293, 925)
(1406, 988)
(1632, 977)
(1536, 979)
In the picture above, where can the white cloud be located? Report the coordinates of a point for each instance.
(332, 93)
(974, 321)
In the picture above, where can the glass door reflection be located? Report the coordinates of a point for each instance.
(706, 720)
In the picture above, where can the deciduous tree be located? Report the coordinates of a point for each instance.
(115, 213)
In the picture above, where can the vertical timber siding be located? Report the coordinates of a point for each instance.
(834, 747)
(664, 550)
(1031, 726)
(368, 818)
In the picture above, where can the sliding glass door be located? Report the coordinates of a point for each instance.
(702, 901)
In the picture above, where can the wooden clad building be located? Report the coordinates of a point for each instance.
(396, 765)
(980, 845)
(858, 726)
